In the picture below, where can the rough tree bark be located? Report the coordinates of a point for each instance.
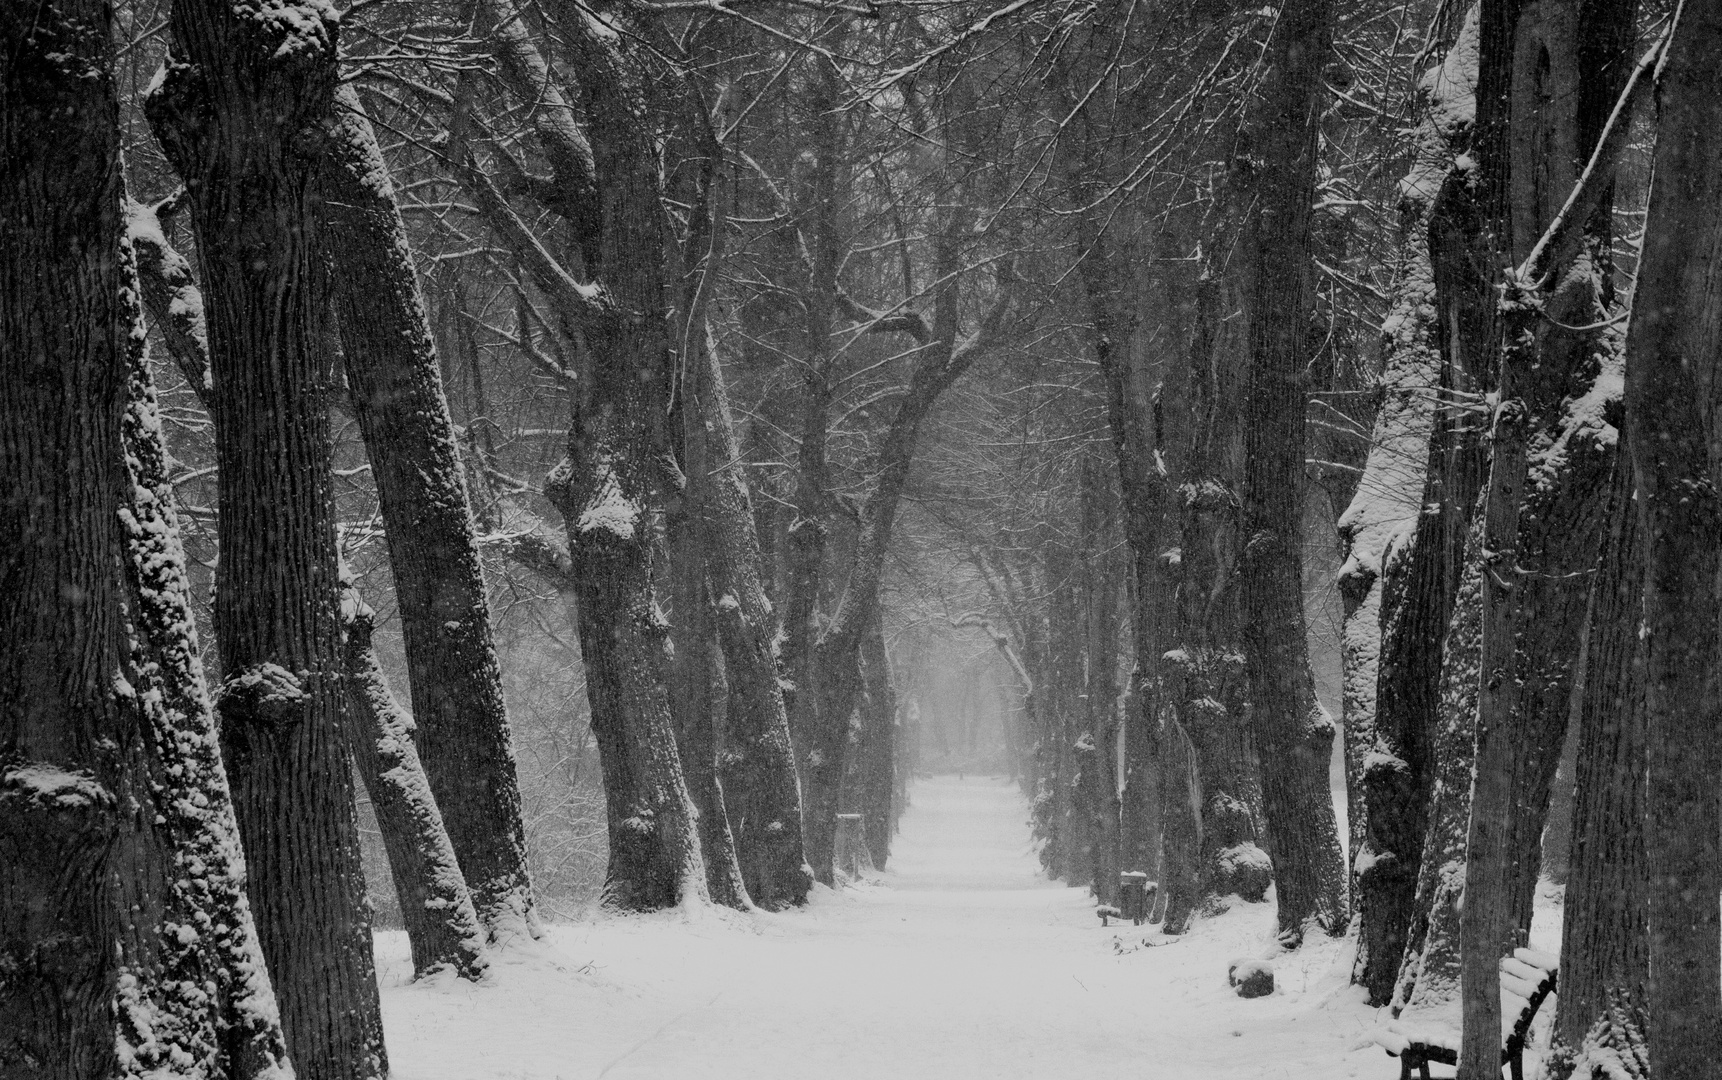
(395, 385)
(433, 895)
(1551, 454)
(1673, 418)
(1605, 959)
(1205, 687)
(128, 945)
(615, 469)
(1386, 755)
(241, 112)
(1293, 733)
(761, 788)
(699, 691)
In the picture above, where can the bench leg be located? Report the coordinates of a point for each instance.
(1516, 1066)
(1423, 1068)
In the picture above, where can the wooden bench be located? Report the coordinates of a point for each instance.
(1135, 899)
(1527, 978)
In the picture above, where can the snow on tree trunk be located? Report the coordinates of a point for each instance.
(1552, 449)
(699, 691)
(442, 927)
(1385, 765)
(1205, 689)
(125, 936)
(761, 789)
(240, 111)
(1673, 424)
(1293, 732)
(395, 387)
(1146, 493)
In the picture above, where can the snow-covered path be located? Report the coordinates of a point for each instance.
(963, 961)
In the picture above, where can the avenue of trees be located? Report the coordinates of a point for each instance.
(544, 449)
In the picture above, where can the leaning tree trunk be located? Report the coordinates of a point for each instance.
(1673, 423)
(244, 100)
(395, 386)
(118, 959)
(442, 927)
(433, 894)
(1293, 733)
(1604, 930)
(761, 789)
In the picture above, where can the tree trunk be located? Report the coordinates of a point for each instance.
(877, 763)
(698, 693)
(1542, 513)
(442, 927)
(1380, 533)
(395, 386)
(1293, 733)
(1604, 932)
(1672, 419)
(761, 789)
(118, 961)
(243, 104)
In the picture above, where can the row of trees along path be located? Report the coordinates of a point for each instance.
(814, 372)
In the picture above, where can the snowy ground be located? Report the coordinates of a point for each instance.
(962, 961)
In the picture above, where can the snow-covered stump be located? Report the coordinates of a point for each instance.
(1251, 978)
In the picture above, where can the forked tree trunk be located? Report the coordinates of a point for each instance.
(395, 386)
(243, 102)
(1293, 733)
(119, 960)
(1673, 424)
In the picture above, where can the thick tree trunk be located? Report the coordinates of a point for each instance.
(1386, 760)
(118, 959)
(1552, 452)
(762, 791)
(395, 386)
(1147, 498)
(1293, 733)
(243, 105)
(1672, 415)
(442, 927)
(698, 693)
(1604, 932)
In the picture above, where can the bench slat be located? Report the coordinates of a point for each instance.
(1543, 960)
(1524, 988)
(1523, 970)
